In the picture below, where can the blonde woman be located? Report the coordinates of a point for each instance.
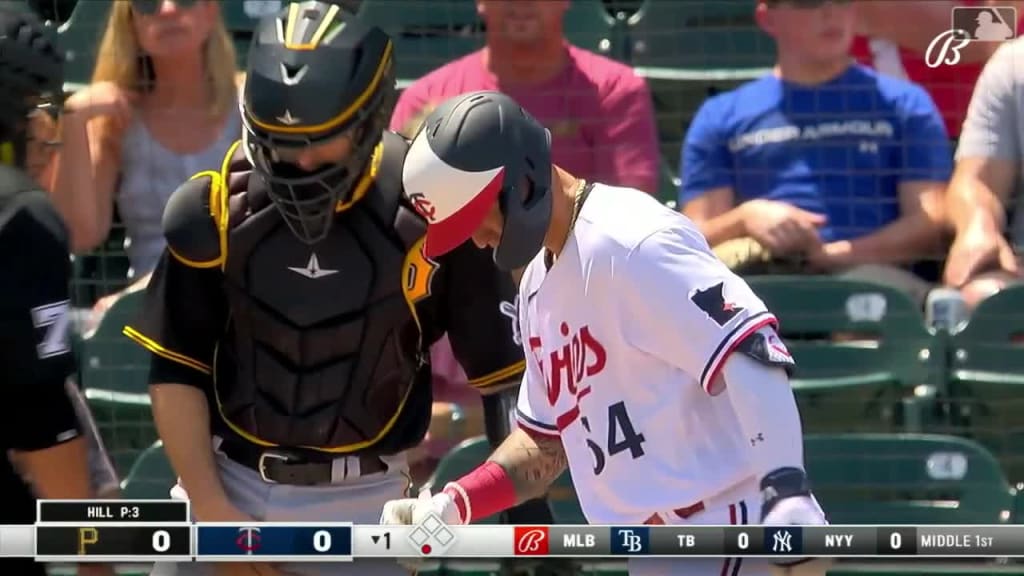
(161, 107)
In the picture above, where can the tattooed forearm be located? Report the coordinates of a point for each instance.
(532, 463)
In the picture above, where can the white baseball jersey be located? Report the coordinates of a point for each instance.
(624, 337)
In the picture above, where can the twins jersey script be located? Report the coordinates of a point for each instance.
(625, 337)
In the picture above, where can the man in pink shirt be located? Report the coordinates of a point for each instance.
(598, 111)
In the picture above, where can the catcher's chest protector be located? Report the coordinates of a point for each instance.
(323, 345)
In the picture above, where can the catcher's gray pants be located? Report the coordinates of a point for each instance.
(356, 499)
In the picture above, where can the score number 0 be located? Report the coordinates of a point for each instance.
(322, 541)
(161, 541)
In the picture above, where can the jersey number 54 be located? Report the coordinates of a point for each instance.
(621, 437)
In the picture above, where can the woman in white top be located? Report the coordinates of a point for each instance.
(161, 107)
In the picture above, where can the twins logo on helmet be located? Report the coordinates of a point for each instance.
(423, 206)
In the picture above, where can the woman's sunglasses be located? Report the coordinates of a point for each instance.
(150, 7)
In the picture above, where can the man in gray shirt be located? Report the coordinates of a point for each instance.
(987, 181)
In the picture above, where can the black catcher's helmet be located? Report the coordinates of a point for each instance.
(315, 73)
(31, 69)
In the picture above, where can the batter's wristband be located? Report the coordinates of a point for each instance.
(461, 499)
(483, 492)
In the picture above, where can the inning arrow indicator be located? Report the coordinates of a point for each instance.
(376, 538)
(379, 541)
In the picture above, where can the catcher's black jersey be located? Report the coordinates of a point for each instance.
(35, 355)
(322, 347)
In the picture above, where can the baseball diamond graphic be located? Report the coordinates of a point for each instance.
(432, 537)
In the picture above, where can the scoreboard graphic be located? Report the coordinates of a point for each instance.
(149, 531)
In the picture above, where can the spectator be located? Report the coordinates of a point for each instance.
(598, 111)
(889, 45)
(161, 107)
(986, 183)
(823, 162)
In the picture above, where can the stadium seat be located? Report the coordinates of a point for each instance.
(908, 479)
(113, 374)
(565, 506)
(588, 25)
(80, 37)
(478, 567)
(602, 568)
(241, 19)
(55, 11)
(426, 34)
(689, 51)
(677, 99)
(22, 6)
(150, 477)
(677, 37)
(987, 378)
(861, 351)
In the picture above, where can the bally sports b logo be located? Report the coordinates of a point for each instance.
(532, 540)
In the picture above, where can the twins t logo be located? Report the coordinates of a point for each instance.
(248, 539)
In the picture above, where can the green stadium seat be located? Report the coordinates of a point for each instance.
(426, 35)
(689, 51)
(241, 19)
(987, 378)
(151, 477)
(861, 350)
(20, 6)
(114, 372)
(676, 37)
(80, 37)
(588, 25)
(908, 479)
(677, 99)
(480, 567)
(565, 506)
(602, 568)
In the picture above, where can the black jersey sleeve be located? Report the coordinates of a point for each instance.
(185, 310)
(35, 351)
(479, 316)
(183, 315)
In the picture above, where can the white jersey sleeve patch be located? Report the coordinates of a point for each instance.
(684, 306)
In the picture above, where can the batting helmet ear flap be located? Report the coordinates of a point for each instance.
(526, 213)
